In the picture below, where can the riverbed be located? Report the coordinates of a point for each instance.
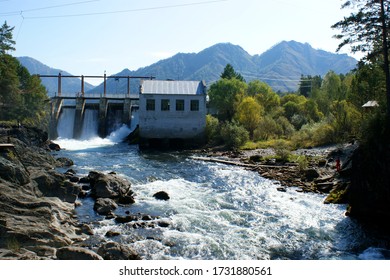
(217, 211)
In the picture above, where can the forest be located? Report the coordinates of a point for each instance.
(325, 110)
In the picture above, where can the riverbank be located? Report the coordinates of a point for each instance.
(37, 203)
(313, 170)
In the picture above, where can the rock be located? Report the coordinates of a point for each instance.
(116, 251)
(13, 172)
(84, 180)
(108, 186)
(64, 162)
(125, 219)
(54, 147)
(104, 206)
(127, 199)
(161, 196)
(339, 194)
(76, 253)
(85, 229)
(163, 224)
(281, 189)
(112, 233)
(311, 174)
(52, 183)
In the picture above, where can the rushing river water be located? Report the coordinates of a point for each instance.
(217, 211)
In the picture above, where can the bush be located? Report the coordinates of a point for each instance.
(282, 150)
(212, 129)
(234, 135)
(268, 128)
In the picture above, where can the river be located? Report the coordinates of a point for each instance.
(215, 211)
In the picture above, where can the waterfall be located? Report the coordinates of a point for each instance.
(90, 124)
(66, 123)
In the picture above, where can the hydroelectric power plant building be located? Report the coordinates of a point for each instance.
(172, 112)
(164, 111)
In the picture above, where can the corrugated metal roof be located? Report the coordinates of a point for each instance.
(372, 103)
(172, 87)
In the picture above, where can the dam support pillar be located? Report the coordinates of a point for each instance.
(78, 118)
(103, 107)
(56, 106)
(126, 117)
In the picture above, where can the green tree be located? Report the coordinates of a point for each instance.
(366, 31)
(224, 95)
(332, 86)
(309, 84)
(346, 120)
(264, 95)
(229, 73)
(6, 41)
(249, 114)
(10, 94)
(22, 96)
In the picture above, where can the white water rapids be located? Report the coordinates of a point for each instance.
(216, 211)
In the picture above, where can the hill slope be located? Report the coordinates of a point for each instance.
(281, 66)
(68, 85)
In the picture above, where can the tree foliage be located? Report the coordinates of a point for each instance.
(224, 95)
(229, 73)
(366, 30)
(22, 97)
(6, 41)
(249, 114)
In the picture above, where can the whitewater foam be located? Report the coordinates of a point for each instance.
(94, 142)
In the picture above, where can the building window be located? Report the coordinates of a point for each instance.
(180, 105)
(150, 104)
(164, 104)
(194, 105)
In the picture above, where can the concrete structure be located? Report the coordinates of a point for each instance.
(172, 111)
(125, 103)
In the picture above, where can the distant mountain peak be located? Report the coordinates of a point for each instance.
(280, 66)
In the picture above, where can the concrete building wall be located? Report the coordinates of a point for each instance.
(175, 123)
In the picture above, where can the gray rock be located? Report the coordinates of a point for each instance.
(76, 253)
(116, 251)
(104, 206)
(109, 186)
(161, 196)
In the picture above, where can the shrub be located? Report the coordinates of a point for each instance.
(268, 128)
(282, 150)
(212, 129)
(234, 135)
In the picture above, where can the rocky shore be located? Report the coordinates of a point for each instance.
(314, 171)
(37, 203)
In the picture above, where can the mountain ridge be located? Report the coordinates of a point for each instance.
(281, 66)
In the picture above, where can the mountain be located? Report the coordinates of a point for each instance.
(281, 66)
(68, 85)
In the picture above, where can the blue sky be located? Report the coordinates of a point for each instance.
(89, 37)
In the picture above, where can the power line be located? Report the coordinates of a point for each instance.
(16, 13)
(128, 11)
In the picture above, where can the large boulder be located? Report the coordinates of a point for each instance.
(161, 195)
(54, 184)
(13, 172)
(109, 186)
(116, 251)
(104, 206)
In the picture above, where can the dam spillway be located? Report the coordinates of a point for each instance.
(82, 117)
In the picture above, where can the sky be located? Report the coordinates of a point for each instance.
(90, 37)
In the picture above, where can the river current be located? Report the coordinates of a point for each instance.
(217, 211)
